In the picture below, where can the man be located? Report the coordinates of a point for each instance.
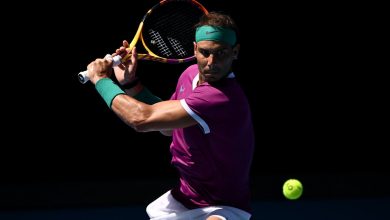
(208, 118)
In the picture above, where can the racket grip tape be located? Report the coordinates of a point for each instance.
(83, 76)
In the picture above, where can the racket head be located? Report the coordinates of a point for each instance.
(168, 31)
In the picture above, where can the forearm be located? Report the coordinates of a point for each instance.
(139, 114)
(136, 90)
(113, 95)
(131, 111)
(142, 94)
(162, 116)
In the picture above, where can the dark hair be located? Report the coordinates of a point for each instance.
(219, 19)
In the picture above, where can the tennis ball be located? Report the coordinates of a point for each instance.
(292, 189)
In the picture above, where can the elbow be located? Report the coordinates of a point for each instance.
(166, 132)
(144, 120)
(145, 126)
(139, 127)
(139, 120)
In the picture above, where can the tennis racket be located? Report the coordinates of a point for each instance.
(167, 33)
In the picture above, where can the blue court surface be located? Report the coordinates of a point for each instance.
(368, 209)
(117, 200)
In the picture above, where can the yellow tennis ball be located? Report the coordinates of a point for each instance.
(292, 189)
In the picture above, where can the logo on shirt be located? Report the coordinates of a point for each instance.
(181, 89)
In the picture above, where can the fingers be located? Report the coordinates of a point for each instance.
(121, 51)
(125, 46)
(99, 68)
(134, 55)
(125, 43)
(101, 65)
(108, 57)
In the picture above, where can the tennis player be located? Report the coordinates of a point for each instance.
(208, 117)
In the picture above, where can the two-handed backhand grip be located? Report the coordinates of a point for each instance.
(83, 76)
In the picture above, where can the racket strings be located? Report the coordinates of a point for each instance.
(178, 47)
(160, 43)
(169, 29)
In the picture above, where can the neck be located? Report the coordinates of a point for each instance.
(201, 79)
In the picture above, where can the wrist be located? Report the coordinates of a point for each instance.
(108, 90)
(96, 79)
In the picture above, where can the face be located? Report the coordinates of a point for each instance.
(214, 59)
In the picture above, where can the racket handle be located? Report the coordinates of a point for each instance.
(83, 76)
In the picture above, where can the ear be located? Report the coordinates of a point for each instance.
(236, 49)
(195, 47)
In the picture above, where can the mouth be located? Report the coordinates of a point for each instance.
(211, 72)
(209, 76)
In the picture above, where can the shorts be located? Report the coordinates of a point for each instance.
(168, 208)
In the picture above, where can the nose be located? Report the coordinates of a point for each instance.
(210, 60)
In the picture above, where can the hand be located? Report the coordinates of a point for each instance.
(125, 72)
(98, 69)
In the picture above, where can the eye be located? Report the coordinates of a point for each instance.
(205, 53)
(220, 53)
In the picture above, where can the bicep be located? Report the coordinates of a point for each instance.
(167, 115)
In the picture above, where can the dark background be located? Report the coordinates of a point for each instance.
(318, 115)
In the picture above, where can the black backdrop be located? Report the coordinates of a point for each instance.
(303, 67)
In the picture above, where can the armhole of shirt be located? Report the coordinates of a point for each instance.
(200, 121)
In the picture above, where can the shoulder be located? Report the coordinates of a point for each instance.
(189, 74)
(191, 71)
(193, 67)
(208, 94)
